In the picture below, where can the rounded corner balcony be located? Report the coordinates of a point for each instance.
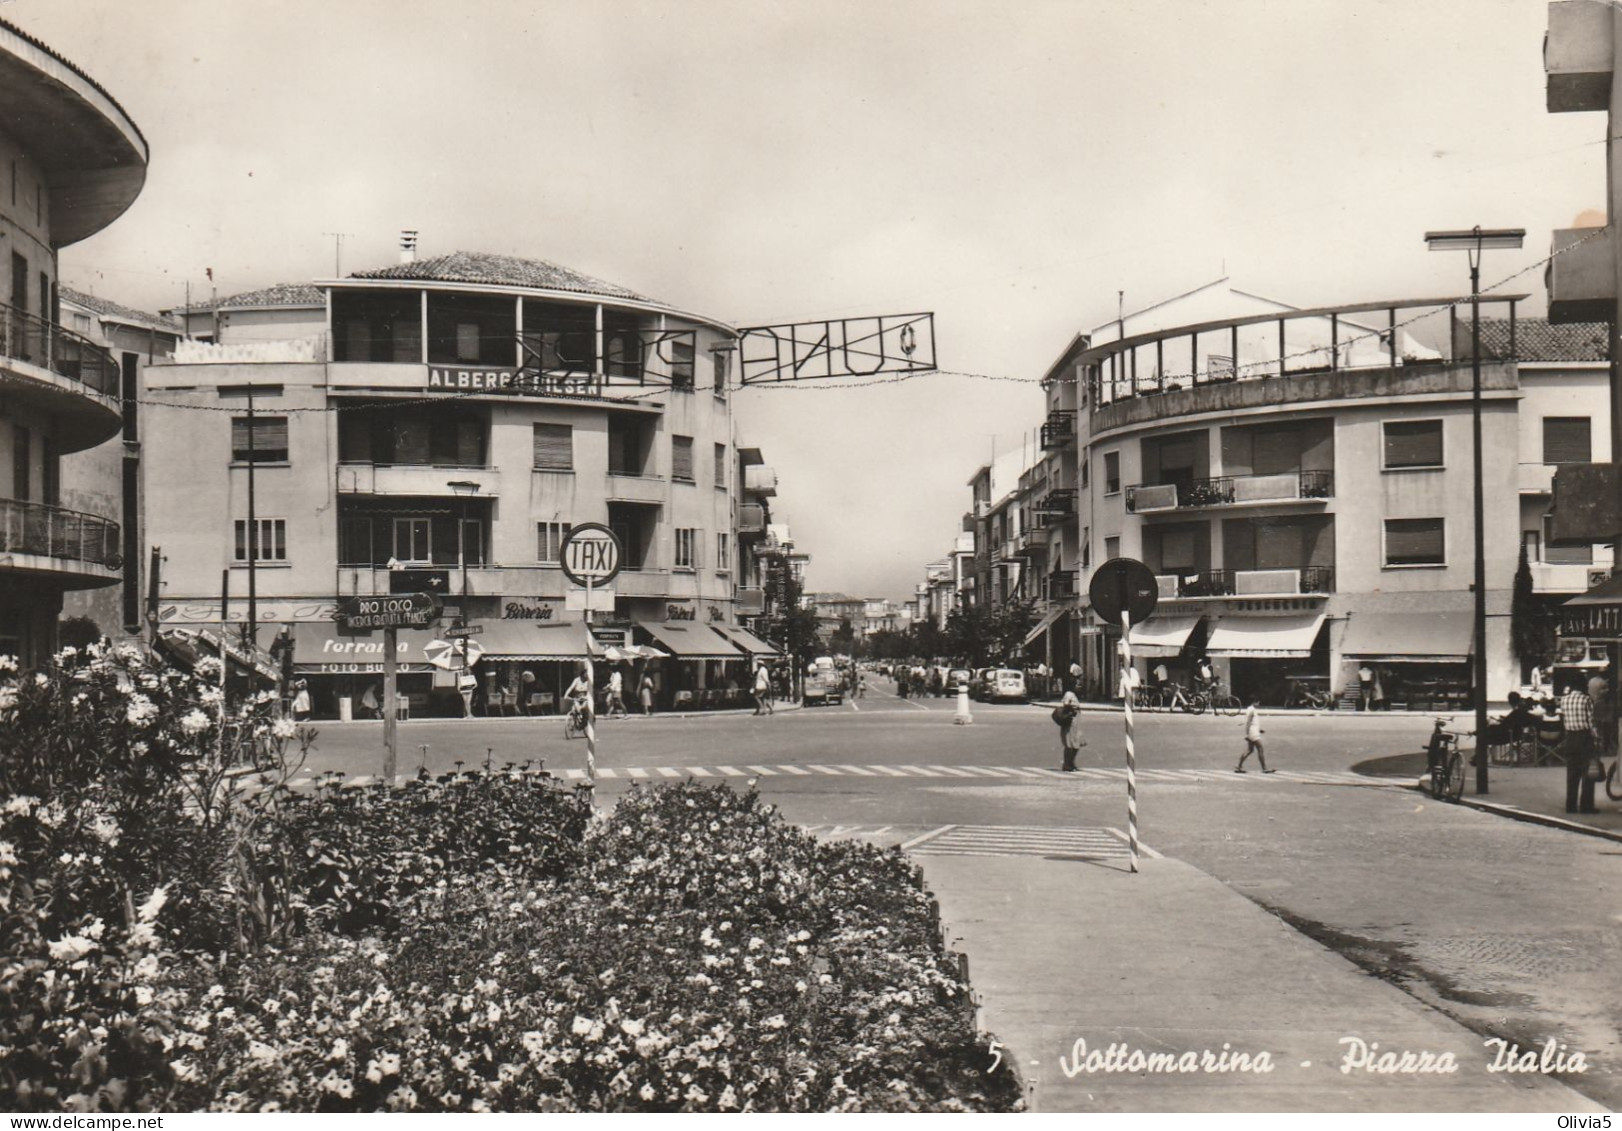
(93, 156)
(61, 373)
(1294, 357)
(79, 551)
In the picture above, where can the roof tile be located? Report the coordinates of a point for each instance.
(500, 270)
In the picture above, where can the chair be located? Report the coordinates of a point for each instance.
(711, 699)
(1547, 740)
(402, 708)
(542, 703)
(682, 699)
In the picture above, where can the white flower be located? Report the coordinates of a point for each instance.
(192, 722)
(284, 728)
(8, 663)
(148, 911)
(105, 828)
(71, 948)
(632, 1028)
(143, 995)
(340, 1049)
(140, 711)
(211, 695)
(533, 1042)
(260, 1052)
(647, 1093)
(389, 1062)
(20, 805)
(581, 1026)
(146, 969)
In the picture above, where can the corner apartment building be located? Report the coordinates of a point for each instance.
(71, 162)
(441, 424)
(1300, 482)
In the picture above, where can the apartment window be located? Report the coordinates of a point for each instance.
(549, 541)
(1112, 549)
(718, 366)
(270, 545)
(268, 435)
(1569, 553)
(1412, 443)
(723, 552)
(721, 466)
(467, 341)
(411, 540)
(681, 458)
(681, 363)
(1530, 542)
(1415, 542)
(1086, 468)
(1567, 439)
(1086, 547)
(554, 447)
(686, 548)
(1112, 472)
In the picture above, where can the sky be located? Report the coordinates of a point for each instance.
(1009, 165)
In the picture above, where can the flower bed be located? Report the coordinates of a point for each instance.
(475, 943)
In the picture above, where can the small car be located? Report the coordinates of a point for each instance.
(1005, 684)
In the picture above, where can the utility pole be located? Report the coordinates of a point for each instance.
(251, 627)
(338, 251)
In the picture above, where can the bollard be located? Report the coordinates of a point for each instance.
(962, 718)
(1131, 745)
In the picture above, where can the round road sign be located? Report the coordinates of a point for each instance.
(1124, 585)
(591, 554)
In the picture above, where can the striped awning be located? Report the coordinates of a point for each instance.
(689, 640)
(1266, 638)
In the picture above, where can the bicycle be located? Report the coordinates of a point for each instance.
(574, 723)
(1447, 766)
(1224, 702)
(1310, 698)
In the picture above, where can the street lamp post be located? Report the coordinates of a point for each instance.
(1474, 241)
(465, 489)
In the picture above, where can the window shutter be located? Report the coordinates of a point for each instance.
(1413, 541)
(1413, 443)
(1567, 439)
(720, 465)
(554, 447)
(681, 457)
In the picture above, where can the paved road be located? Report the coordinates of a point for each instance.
(1512, 929)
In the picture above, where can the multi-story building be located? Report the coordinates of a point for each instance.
(107, 479)
(1310, 516)
(71, 162)
(442, 427)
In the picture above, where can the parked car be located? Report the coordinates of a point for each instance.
(956, 678)
(824, 687)
(1005, 684)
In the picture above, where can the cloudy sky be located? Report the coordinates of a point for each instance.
(1008, 164)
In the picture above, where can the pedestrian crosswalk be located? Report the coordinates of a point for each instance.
(945, 773)
(942, 774)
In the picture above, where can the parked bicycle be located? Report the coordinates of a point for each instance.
(1223, 701)
(1445, 763)
(1312, 698)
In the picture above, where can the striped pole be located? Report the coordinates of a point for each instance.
(1131, 749)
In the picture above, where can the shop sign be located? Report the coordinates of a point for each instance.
(1592, 620)
(406, 610)
(715, 614)
(464, 378)
(474, 378)
(679, 612)
(270, 611)
(516, 610)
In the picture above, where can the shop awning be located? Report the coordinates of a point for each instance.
(188, 645)
(1043, 625)
(1162, 636)
(1413, 638)
(537, 640)
(325, 649)
(746, 640)
(691, 641)
(1605, 593)
(1265, 638)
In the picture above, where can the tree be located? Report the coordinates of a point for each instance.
(843, 639)
(1531, 623)
(77, 632)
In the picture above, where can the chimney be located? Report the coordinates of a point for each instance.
(408, 245)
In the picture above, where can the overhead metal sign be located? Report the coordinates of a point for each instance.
(403, 610)
(837, 347)
(1124, 585)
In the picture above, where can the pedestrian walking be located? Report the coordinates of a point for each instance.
(579, 697)
(1578, 748)
(616, 695)
(1253, 738)
(301, 701)
(1365, 688)
(1075, 676)
(763, 691)
(467, 683)
(1068, 715)
(644, 692)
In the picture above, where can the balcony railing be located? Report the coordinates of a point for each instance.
(1295, 343)
(1305, 580)
(1059, 430)
(1230, 490)
(52, 532)
(27, 337)
(1061, 583)
(1058, 503)
(751, 518)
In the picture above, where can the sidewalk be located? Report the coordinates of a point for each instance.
(1538, 794)
(1170, 960)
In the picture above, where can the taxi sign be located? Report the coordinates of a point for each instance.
(399, 610)
(591, 554)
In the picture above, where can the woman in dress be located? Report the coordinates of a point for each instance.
(1070, 737)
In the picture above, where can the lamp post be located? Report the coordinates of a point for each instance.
(1474, 241)
(465, 489)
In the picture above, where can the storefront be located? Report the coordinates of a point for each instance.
(344, 670)
(1420, 661)
(1177, 642)
(705, 669)
(1269, 657)
(527, 665)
